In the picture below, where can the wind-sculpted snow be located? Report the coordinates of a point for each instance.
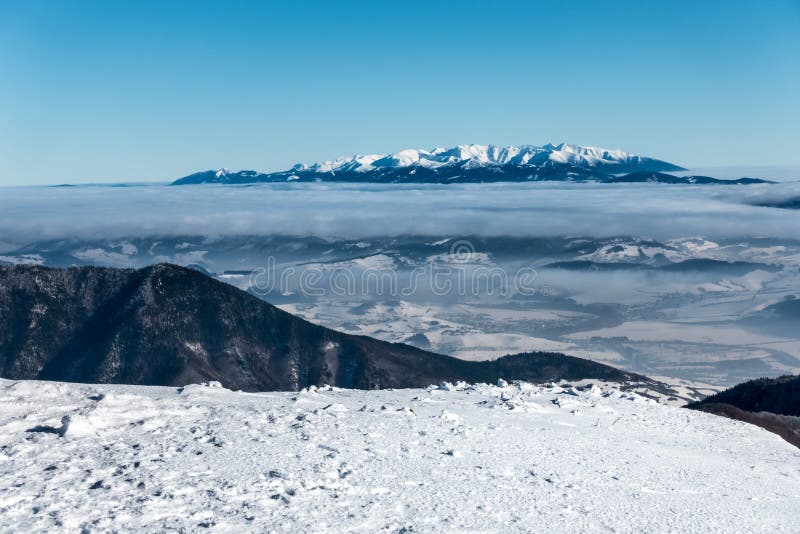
(453, 458)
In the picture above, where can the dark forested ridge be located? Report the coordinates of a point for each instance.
(771, 403)
(168, 325)
(776, 395)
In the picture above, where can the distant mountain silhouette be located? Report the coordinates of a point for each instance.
(776, 395)
(695, 265)
(475, 164)
(786, 203)
(168, 325)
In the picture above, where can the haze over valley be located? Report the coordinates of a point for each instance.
(672, 280)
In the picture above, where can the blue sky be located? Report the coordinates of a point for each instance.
(133, 91)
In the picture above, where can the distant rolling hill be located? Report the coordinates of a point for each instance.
(786, 203)
(665, 178)
(695, 265)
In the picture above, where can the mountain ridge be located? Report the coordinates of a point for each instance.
(771, 403)
(475, 154)
(474, 164)
(168, 325)
(779, 395)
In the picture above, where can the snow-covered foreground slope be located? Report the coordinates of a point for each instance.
(458, 458)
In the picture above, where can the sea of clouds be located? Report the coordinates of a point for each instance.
(29, 214)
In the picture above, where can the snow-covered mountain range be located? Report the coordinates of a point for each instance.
(473, 164)
(486, 155)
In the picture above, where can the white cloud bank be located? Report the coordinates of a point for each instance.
(347, 210)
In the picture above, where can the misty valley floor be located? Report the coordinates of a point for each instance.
(679, 281)
(452, 458)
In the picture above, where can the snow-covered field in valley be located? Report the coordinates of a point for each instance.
(457, 458)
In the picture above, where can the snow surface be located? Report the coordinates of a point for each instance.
(453, 458)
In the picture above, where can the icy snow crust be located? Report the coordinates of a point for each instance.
(453, 458)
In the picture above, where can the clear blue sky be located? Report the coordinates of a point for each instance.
(129, 91)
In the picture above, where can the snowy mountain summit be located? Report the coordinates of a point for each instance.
(490, 155)
(473, 164)
(450, 458)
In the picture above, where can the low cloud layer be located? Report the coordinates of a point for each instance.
(30, 214)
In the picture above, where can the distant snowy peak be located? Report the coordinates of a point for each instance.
(486, 155)
(474, 164)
